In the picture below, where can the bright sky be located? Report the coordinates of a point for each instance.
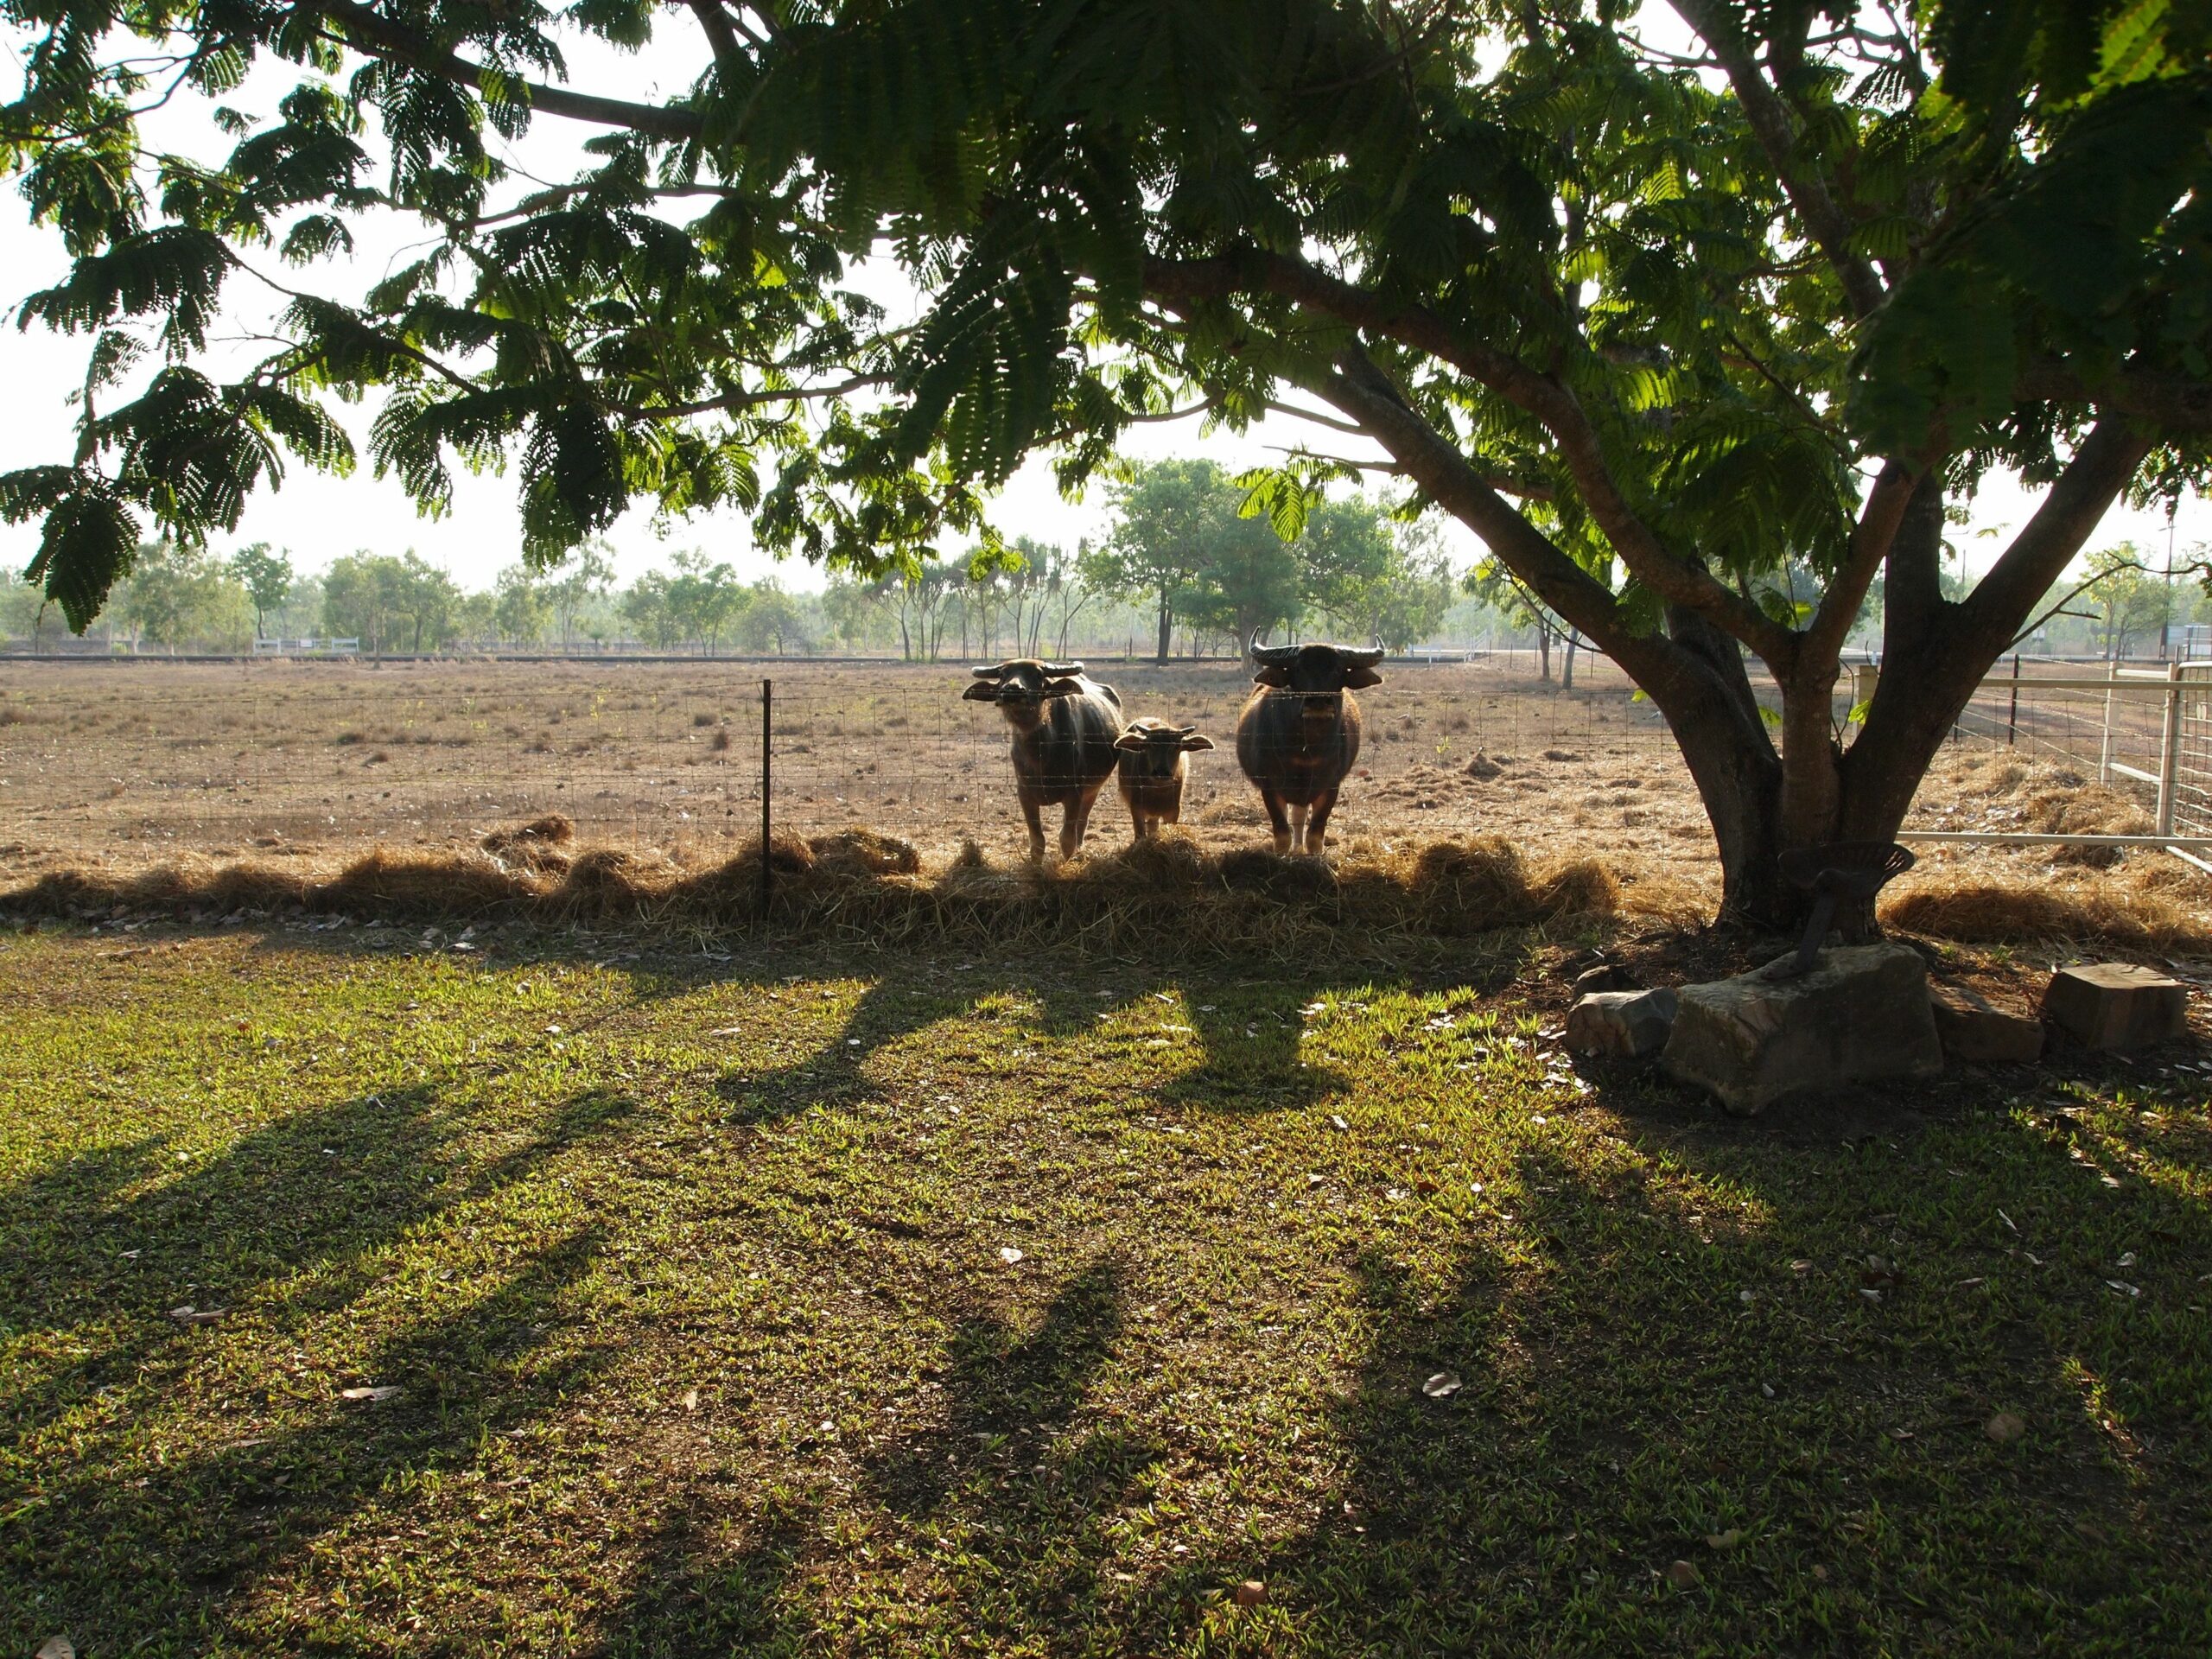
(320, 517)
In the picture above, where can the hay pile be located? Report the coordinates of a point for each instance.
(1167, 894)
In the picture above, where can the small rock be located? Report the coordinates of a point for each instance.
(2006, 1427)
(1860, 1015)
(1442, 1386)
(2116, 1005)
(1976, 1032)
(1629, 1025)
(1606, 976)
(1250, 1593)
(1683, 1575)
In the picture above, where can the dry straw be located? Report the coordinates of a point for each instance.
(1165, 894)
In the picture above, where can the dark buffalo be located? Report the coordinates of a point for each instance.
(1065, 725)
(1299, 734)
(1153, 770)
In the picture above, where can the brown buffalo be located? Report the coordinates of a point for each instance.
(1153, 770)
(1063, 730)
(1299, 734)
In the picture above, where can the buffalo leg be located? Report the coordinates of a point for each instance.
(1316, 826)
(1077, 821)
(1277, 817)
(1030, 811)
(1298, 830)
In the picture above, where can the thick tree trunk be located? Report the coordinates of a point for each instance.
(1544, 652)
(1167, 629)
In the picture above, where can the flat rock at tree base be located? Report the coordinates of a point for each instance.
(1629, 1025)
(1861, 1013)
(2116, 1005)
(1976, 1032)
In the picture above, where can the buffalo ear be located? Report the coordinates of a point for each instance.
(1060, 689)
(1132, 741)
(1198, 740)
(980, 691)
(1270, 674)
(1358, 679)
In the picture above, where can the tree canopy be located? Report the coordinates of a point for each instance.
(1654, 302)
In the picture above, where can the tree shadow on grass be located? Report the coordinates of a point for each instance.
(282, 1230)
(1690, 1369)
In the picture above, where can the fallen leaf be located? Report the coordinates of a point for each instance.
(1250, 1593)
(1727, 1540)
(1425, 1186)
(690, 1399)
(727, 1030)
(1442, 1386)
(2006, 1427)
(380, 1392)
(2127, 1261)
(197, 1315)
(1682, 1575)
(57, 1647)
(1008, 1255)
(2124, 1287)
(1337, 1122)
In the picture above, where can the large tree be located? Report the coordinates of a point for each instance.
(1654, 305)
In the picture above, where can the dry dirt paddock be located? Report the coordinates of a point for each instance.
(127, 764)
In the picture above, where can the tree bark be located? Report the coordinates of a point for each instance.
(1166, 628)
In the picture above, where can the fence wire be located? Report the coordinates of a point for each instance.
(135, 762)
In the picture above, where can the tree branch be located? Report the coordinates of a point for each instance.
(377, 36)
(729, 56)
(1871, 538)
(1362, 392)
(2173, 403)
(2049, 541)
(1769, 120)
(1189, 281)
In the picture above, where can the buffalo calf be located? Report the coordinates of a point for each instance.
(1064, 727)
(1153, 770)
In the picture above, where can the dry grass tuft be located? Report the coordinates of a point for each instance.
(535, 846)
(1168, 892)
(421, 887)
(2134, 914)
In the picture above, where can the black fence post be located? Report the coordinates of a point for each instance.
(768, 780)
(2012, 719)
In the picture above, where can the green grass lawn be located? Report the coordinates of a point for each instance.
(695, 1279)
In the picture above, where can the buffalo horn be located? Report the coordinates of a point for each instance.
(983, 673)
(1061, 670)
(1360, 658)
(1275, 654)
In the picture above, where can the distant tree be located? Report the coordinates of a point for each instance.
(2126, 598)
(644, 605)
(521, 606)
(1248, 579)
(581, 580)
(475, 619)
(267, 575)
(705, 597)
(771, 620)
(179, 596)
(1164, 514)
(390, 603)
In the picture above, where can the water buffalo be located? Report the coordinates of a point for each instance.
(1299, 734)
(1063, 726)
(1153, 770)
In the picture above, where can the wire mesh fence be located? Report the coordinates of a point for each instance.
(135, 762)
